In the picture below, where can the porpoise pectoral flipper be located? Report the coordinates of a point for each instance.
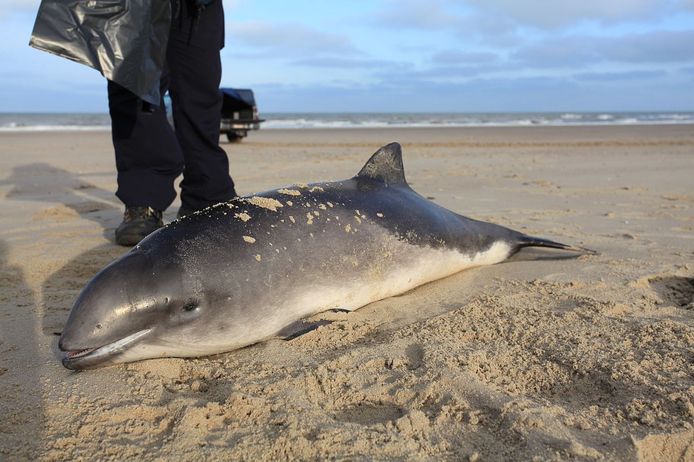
(242, 271)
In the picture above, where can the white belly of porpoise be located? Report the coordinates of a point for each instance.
(409, 267)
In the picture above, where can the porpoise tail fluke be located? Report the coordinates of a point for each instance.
(530, 241)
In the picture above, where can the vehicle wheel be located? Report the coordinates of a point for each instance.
(234, 137)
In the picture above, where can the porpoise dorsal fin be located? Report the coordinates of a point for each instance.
(385, 165)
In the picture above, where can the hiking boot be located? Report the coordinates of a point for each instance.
(138, 223)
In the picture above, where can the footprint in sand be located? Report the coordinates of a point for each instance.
(674, 290)
(415, 356)
(369, 413)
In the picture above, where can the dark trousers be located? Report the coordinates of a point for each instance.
(149, 153)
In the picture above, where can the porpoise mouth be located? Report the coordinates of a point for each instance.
(94, 357)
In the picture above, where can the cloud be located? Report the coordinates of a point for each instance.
(654, 47)
(577, 51)
(282, 40)
(416, 14)
(17, 4)
(9, 7)
(473, 25)
(558, 53)
(343, 62)
(607, 77)
(438, 15)
(464, 57)
(549, 14)
(445, 73)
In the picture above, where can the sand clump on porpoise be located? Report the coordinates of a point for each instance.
(289, 192)
(265, 202)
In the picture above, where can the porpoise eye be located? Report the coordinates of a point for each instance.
(190, 306)
(99, 326)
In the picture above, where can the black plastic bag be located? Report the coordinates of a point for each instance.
(125, 40)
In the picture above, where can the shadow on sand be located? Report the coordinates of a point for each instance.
(21, 395)
(44, 182)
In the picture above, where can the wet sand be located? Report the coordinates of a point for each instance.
(540, 357)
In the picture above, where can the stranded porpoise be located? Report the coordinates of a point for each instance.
(241, 271)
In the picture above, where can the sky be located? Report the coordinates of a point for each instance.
(409, 56)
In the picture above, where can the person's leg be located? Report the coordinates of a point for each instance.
(195, 70)
(148, 158)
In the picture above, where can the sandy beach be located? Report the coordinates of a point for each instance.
(539, 358)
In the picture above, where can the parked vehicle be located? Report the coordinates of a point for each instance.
(239, 113)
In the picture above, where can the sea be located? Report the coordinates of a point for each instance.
(16, 122)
